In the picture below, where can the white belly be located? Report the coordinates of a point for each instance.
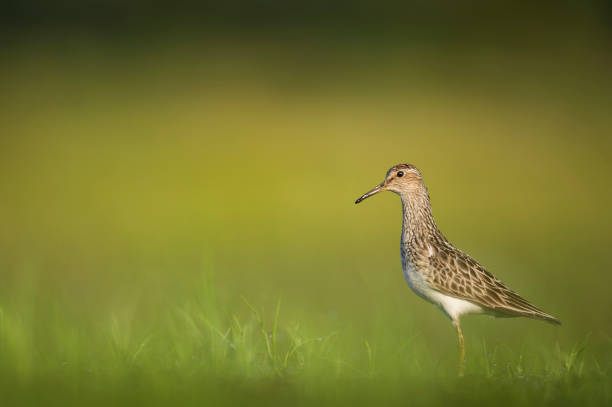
(452, 307)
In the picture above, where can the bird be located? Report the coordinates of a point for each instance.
(439, 272)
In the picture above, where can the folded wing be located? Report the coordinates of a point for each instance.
(456, 274)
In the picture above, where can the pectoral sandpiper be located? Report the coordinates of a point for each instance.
(439, 272)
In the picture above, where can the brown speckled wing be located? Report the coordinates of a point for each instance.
(456, 274)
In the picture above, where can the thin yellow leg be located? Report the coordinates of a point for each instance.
(461, 347)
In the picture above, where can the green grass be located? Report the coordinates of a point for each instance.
(177, 225)
(201, 351)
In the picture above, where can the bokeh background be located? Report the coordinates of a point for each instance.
(154, 155)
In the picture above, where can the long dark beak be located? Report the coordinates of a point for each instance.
(374, 191)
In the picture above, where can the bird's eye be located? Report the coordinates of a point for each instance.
(400, 174)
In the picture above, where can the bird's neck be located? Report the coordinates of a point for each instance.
(418, 226)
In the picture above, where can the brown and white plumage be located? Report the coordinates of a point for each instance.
(439, 272)
(456, 274)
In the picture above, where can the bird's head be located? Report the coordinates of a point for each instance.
(403, 179)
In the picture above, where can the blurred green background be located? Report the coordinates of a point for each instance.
(186, 162)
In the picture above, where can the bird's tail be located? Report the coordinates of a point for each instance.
(517, 305)
(544, 317)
